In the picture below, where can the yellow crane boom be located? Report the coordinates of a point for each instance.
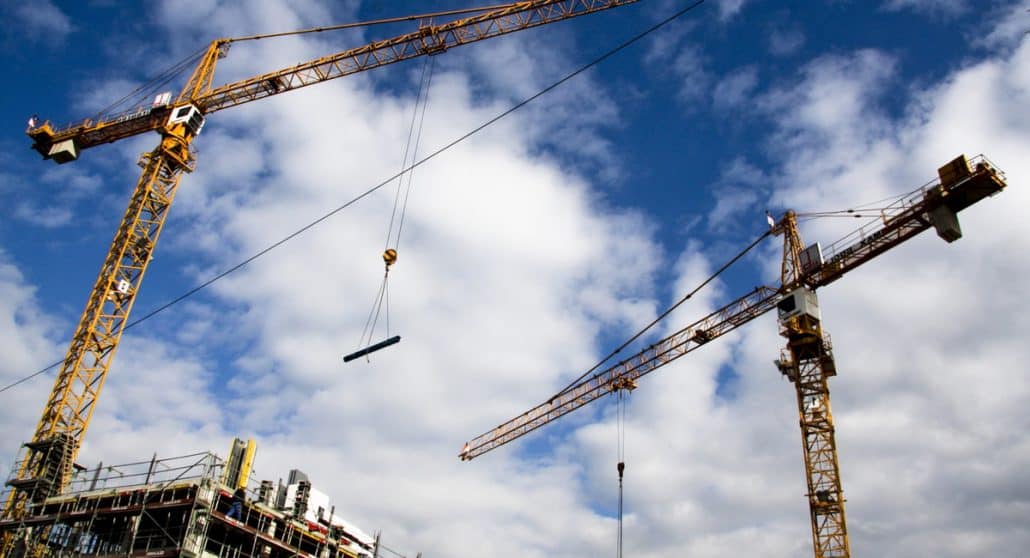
(807, 361)
(427, 40)
(46, 466)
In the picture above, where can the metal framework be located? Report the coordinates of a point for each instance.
(808, 363)
(686, 340)
(173, 507)
(65, 418)
(67, 413)
(429, 39)
(808, 358)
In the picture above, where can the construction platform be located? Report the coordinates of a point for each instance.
(178, 507)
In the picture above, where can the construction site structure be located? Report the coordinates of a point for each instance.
(807, 360)
(50, 455)
(183, 506)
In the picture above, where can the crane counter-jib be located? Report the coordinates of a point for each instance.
(960, 184)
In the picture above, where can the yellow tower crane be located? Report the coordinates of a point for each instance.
(807, 361)
(47, 464)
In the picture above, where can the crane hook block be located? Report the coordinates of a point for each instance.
(372, 348)
(390, 257)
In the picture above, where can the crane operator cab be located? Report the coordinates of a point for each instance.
(188, 115)
(800, 301)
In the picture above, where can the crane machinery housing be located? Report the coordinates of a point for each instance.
(807, 360)
(48, 459)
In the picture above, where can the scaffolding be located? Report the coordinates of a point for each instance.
(171, 507)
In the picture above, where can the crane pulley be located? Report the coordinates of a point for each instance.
(807, 360)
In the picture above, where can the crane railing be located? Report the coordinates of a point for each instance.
(908, 217)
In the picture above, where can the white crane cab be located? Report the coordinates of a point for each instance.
(800, 301)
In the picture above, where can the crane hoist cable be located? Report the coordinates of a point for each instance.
(623, 394)
(663, 315)
(856, 212)
(594, 62)
(371, 22)
(418, 117)
(427, 80)
(154, 84)
(140, 93)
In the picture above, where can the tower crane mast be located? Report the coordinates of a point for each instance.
(46, 465)
(807, 360)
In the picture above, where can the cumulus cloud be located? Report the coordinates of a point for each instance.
(510, 266)
(1013, 25)
(730, 8)
(675, 56)
(740, 189)
(734, 90)
(784, 42)
(689, 67)
(907, 403)
(27, 337)
(46, 217)
(43, 20)
(514, 275)
(940, 7)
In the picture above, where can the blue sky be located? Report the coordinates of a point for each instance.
(535, 247)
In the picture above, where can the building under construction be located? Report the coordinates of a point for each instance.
(184, 506)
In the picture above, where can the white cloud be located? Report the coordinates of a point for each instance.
(1013, 25)
(919, 402)
(509, 269)
(927, 339)
(52, 203)
(674, 57)
(940, 7)
(735, 89)
(740, 189)
(47, 217)
(26, 337)
(784, 42)
(569, 122)
(43, 22)
(828, 119)
(730, 8)
(689, 67)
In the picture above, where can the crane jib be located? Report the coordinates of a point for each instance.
(427, 40)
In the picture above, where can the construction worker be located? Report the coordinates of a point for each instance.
(236, 509)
